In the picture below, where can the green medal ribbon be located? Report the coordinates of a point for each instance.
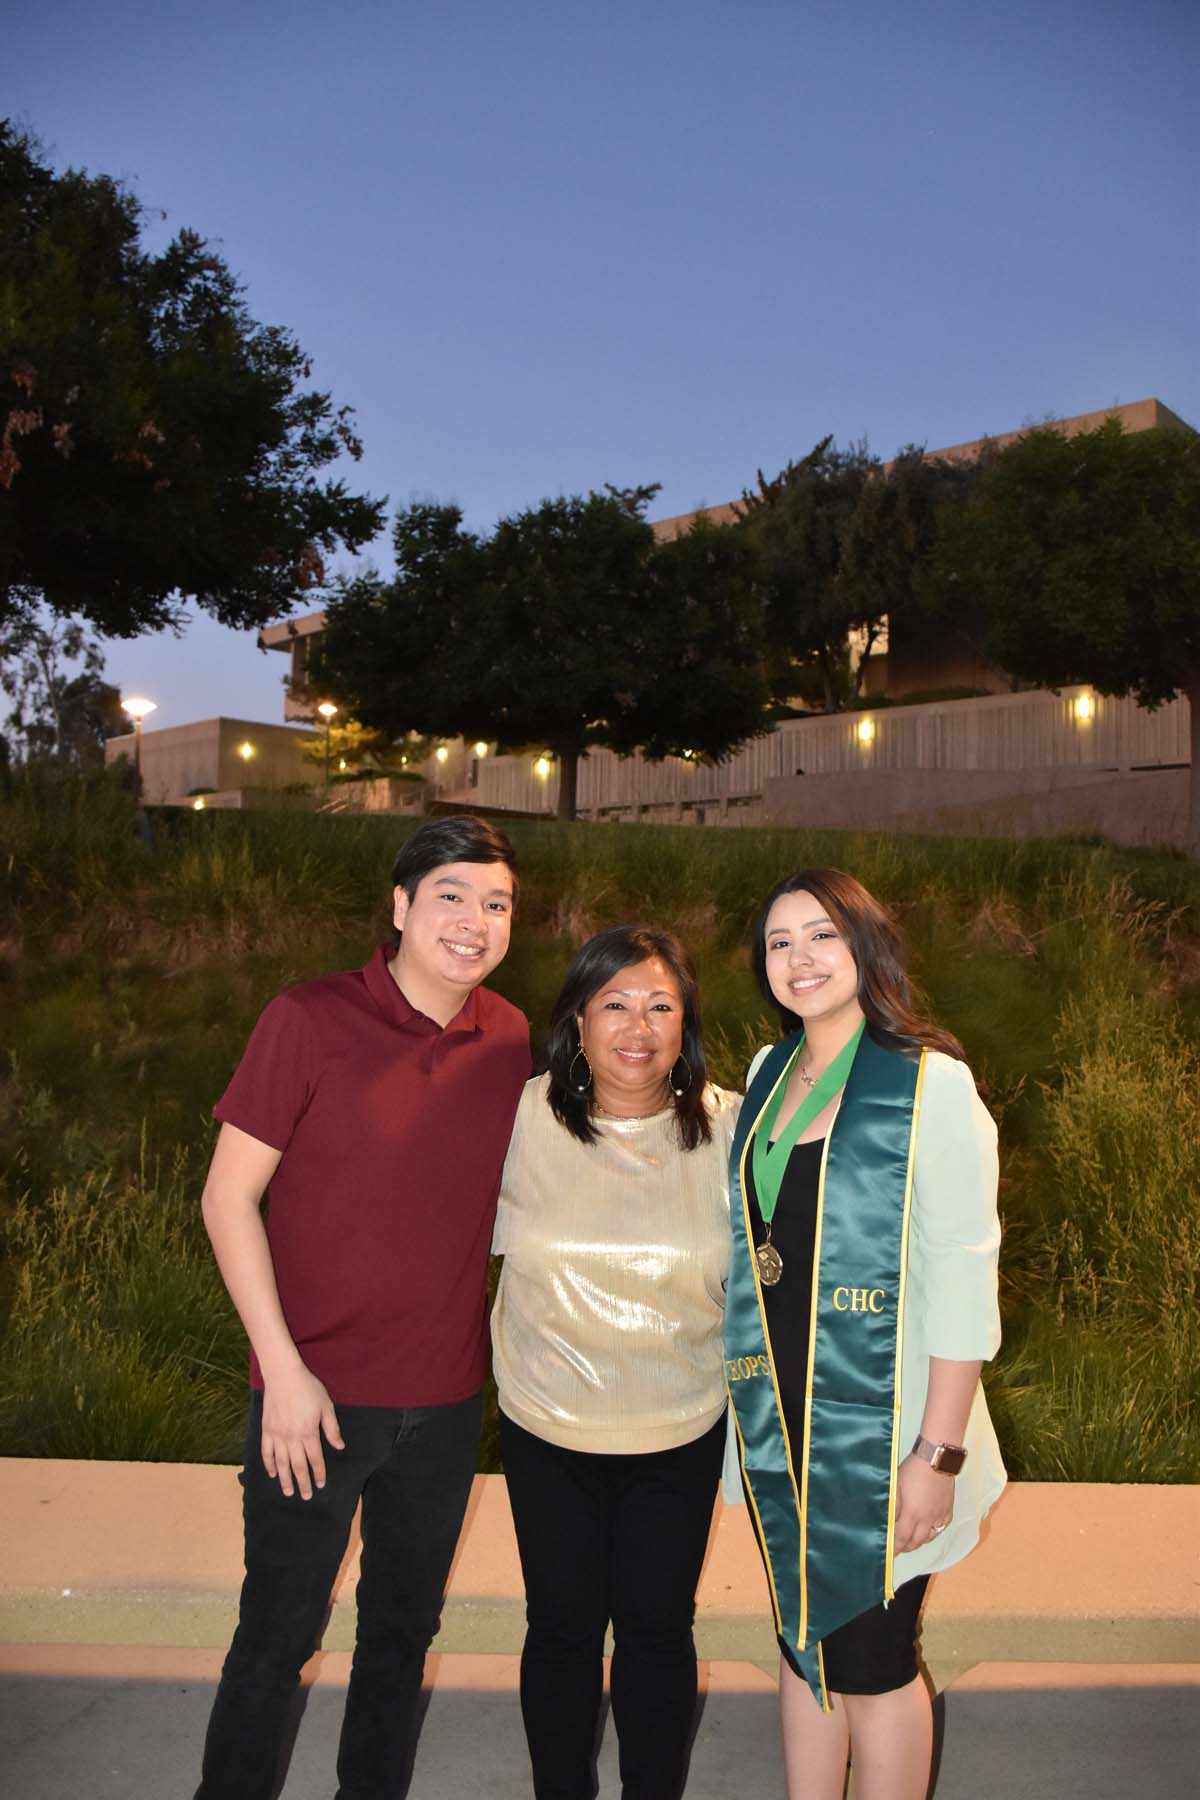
(771, 1159)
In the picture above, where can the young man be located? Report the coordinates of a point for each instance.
(377, 1105)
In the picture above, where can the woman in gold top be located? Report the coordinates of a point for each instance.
(614, 1228)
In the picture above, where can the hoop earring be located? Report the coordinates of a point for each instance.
(580, 1087)
(679, 1092)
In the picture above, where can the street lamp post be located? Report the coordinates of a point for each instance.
(328, 712)
(137, 709)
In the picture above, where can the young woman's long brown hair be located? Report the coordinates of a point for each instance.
(890, 1004)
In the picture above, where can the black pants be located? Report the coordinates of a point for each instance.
(620, 1538)
(413, 1469)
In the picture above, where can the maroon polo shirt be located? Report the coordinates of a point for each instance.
(393, 1131)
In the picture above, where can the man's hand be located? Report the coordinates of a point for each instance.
(924, 1504)
(296, 1410)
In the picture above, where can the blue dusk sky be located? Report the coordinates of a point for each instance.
(542, 246)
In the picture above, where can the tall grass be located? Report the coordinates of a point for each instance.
(120, 1341)
(131, 972)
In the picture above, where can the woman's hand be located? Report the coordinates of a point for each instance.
(924, 1504)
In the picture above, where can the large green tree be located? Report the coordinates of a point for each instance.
(838, 541)
(156, 442)
(799, 525)
(566, 626)
(1081, 559)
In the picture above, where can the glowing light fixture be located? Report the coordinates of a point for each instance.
(247, 751)
(441, 753)
(480, 748)
(327, 710)
(1085, 708)
(866, 731)
(541, 767)
(198, 805)
(137, 708)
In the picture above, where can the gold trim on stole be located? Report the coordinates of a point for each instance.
(809, 1373)
(889, 1591)
(762, 1313)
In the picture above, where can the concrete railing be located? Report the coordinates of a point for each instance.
(1016, 733)
(150, 1554)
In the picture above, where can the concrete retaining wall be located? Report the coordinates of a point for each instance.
(1134, 807)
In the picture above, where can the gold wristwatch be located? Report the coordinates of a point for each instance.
(948, 1458)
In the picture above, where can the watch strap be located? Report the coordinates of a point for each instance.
(947, 1458)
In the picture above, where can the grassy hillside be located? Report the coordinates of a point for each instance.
(130, 975)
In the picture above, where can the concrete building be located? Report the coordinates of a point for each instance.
(220, 755)
(1011, 763)
(906, 661)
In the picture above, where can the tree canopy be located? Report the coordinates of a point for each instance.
(1081, 559)
(62, 709)
(156, 442)
(837, 540)
(566, 627)
(800, 524)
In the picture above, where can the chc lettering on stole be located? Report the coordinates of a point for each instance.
(745, 1368)
(858, 1299)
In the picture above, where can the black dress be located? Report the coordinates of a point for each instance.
(876, 1652)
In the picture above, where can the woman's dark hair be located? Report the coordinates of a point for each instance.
(593, 968)
(459, 837)
(891, 1005)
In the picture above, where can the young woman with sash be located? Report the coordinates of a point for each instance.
(861, 1305)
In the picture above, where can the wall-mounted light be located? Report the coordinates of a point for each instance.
(865, 730)
(247, 751)
(541, 767)
(198, 805)
(1084, 708)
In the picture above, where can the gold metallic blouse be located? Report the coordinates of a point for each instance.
(606, 1333)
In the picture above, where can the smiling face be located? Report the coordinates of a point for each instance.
(455, 931)
(809, 965)
(631, 1031)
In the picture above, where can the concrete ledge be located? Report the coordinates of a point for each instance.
(150, 1554)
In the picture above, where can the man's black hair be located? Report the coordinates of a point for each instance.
(460, 837)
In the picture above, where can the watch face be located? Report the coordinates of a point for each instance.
(949, 1458)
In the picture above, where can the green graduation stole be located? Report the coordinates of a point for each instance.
(826, 1517)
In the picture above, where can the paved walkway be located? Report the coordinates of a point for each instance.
(99, 1724)
(118, 1586)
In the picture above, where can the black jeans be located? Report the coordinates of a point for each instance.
(620, 1538)
(412, 1468)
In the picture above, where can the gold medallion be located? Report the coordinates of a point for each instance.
(770, 1263)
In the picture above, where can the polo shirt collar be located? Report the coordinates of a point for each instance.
(399, 1011)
